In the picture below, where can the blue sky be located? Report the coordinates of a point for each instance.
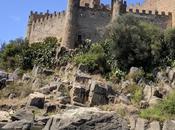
(14, 14)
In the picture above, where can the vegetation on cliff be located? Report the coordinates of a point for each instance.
(132, 42)
(17, 53)
(162, 111)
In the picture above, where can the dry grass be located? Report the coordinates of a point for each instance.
(120, 109)
(13, 102)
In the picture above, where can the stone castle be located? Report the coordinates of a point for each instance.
(87, 19)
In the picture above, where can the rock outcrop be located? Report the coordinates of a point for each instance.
(86, 119)
(36, 99)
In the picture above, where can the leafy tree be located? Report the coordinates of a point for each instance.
(135, 43)
(11, 54)
(168, 51)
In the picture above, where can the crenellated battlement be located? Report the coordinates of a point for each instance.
(42, 17)
(148, 12)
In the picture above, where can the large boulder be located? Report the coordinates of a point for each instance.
(78, 94)
(141, 124)
(4, 116)
(169, 125)
(20, 125)
(98, 94)
(155, 125)
(36, 99)
(23, 114)
(86, 119)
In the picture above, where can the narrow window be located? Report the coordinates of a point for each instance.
(79, 38)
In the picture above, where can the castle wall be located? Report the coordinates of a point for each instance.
(159, 5)
(51, 25)
(163, 20)
(92, 22)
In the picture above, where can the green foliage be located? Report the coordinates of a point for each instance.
(168, 50)
(135, 43)
(17, 53)
(43, 53)
(137, 95)
(94, 59)
(162, 111)
(10, 56)
(136, 91)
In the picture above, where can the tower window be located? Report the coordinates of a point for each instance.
(79, 38)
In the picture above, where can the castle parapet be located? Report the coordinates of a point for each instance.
(40, 17)
(148, 12)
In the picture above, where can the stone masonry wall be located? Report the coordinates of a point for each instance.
(52, 25)
(159, 5)
(92, 23)
(161, 19)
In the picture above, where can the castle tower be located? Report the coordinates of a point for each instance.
(69, 37)
(29, 26)
(118, 7)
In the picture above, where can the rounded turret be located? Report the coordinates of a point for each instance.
(70, 31)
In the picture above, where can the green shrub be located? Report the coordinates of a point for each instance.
(11, 54)
(162, 111)
(169, 37)
(43, 53)
(116, 75)
(94, 59)
(17, 53)
(137, 95)
(136, 91)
